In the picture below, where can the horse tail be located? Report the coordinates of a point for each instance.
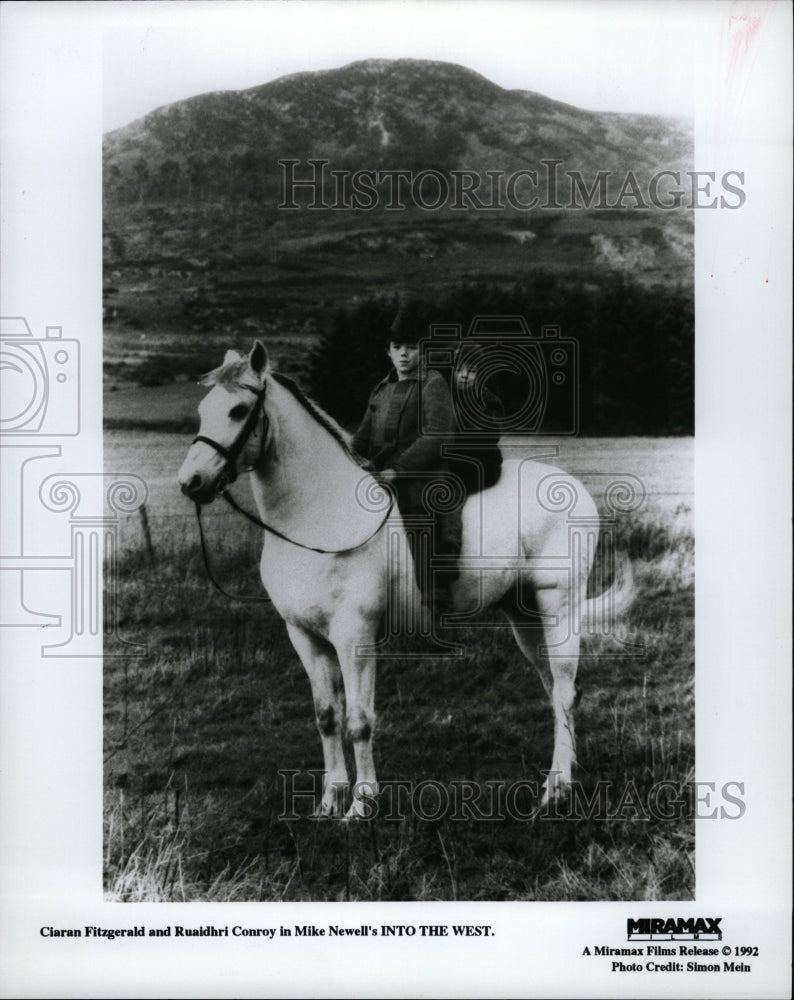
(605, 608)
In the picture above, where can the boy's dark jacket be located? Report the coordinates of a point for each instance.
(389, 435)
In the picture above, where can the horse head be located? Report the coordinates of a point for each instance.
(234, 429)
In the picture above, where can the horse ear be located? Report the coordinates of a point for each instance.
(231, 356)
(258, 359)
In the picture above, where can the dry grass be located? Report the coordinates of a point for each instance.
(197, 731)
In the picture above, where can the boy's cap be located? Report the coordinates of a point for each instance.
(408, 327)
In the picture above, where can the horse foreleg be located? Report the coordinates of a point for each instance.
(358, 671)
(557, 666)
(325, 676)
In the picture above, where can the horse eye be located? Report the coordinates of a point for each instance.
(238, 412)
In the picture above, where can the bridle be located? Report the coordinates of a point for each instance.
(229, 474)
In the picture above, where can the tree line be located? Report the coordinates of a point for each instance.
(627, 367)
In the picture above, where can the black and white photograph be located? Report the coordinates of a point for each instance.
(396, 466)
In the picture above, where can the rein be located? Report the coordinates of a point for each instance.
(310, 548)
(213, 581)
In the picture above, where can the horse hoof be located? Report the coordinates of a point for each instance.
(332, 809)
(359, 810)
(557, 789)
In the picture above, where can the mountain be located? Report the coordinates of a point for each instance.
(196, 240)
(400, 114)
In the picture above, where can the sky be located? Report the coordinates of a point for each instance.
(613, 55)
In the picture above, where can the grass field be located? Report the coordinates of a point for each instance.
(197, 731)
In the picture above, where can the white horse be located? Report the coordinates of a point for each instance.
(528, 547)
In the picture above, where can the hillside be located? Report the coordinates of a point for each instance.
(195, 241)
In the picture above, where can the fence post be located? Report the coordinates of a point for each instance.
(147, 535)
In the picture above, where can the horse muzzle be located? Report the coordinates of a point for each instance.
(203, 477)
(201, 490)
(203, 486)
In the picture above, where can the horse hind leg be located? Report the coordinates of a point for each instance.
(325, 676)
(554, 650)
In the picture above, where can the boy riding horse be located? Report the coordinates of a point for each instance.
(408, 419)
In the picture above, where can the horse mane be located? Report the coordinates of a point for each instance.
(320, 416)
(229, 376)
(232, 376)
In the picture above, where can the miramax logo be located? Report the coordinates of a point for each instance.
(674, 929)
